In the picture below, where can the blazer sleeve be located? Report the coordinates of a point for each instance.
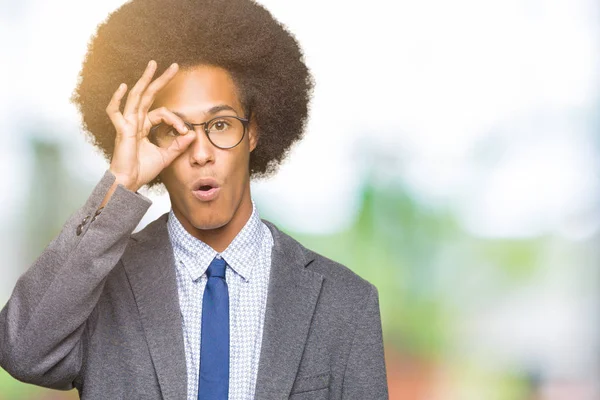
(44, 320)
(365, 373)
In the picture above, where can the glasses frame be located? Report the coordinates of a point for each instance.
(205, 125)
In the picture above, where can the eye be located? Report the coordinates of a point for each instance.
(219, 125)
(172, 131)
(165, 130)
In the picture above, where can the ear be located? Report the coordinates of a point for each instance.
(252, 134)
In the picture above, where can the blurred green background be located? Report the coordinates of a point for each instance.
(453, 164)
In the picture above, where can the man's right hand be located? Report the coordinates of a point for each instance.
(137, 161)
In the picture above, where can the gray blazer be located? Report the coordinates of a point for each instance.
(99, 311)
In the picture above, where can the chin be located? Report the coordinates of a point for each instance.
(208, 222)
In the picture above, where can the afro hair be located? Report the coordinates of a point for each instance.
(262, 56)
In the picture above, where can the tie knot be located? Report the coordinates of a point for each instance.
(216, 268)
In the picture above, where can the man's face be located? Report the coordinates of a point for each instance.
(194, 94)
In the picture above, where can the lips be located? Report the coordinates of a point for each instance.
(206, 189)
(205, 184)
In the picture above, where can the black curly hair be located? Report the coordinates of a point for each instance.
(262, 56)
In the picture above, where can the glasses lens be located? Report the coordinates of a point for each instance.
(163, 134)
(225, 132)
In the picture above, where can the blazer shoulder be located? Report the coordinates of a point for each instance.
(336, 273)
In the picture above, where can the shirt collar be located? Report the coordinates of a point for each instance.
(195, 255)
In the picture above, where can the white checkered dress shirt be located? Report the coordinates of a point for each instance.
(248, 260)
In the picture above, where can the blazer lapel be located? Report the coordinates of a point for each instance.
(150, 267)
(291, 300)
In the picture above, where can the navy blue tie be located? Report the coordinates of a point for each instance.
(213, 382)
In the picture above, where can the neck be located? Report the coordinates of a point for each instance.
(220, 238)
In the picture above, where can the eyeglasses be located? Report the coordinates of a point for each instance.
(223, 132)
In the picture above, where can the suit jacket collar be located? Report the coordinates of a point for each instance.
(291, 300)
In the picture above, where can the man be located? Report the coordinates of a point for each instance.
(208, 301)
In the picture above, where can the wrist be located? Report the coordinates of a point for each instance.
(129, 183)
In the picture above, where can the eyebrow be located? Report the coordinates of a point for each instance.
(211, 111)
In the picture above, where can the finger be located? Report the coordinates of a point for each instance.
(113, 109)
(156, 86)
(166, 116)
(175, 149)
(135, 94)
(150, 94)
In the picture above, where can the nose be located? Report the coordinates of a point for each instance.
(202, 150)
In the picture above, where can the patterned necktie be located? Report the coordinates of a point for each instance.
(213, 382)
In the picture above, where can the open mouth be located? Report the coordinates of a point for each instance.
(206, 189)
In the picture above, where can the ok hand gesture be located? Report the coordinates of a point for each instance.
(136, 160)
